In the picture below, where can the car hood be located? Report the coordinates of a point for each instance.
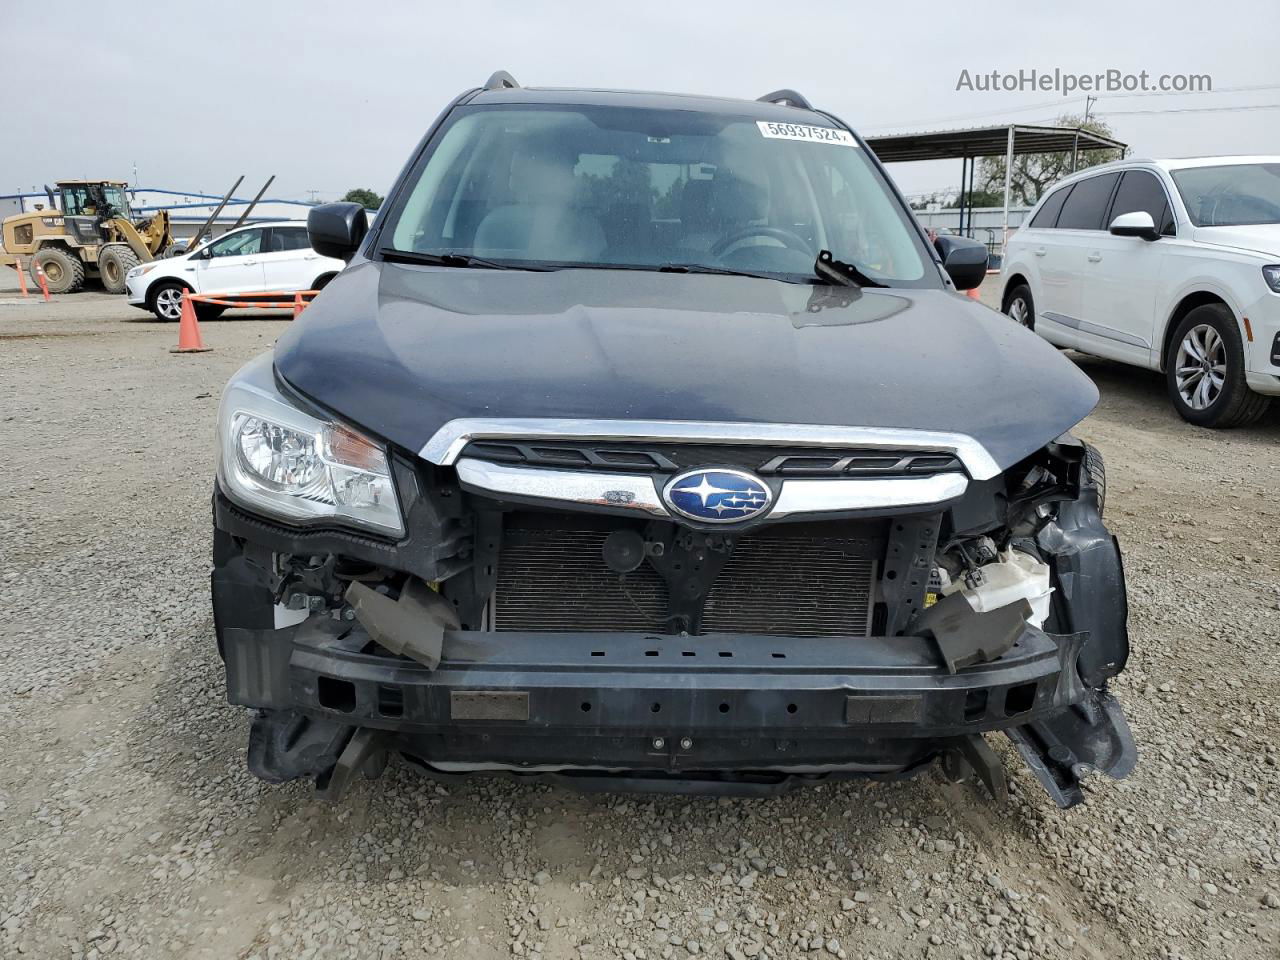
(1261, 238)
(400, 350)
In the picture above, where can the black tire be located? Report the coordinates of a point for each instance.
(323, 281)
(63, 271)
(114, 263)
(1021, 294)
(208, 311)
(1217, 395)
(1095, 475)
(164, 299)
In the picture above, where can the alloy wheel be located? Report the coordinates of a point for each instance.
(1019, 312)
(1200, 370)
(169, 303)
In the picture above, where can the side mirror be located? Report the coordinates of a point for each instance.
(964, 260)
(337, 229)
(1135, 224)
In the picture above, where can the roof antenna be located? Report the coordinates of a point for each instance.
(501, 80)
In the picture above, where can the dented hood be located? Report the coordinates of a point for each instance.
(400, 350)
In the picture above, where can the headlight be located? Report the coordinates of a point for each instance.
(139, 271)
(289, 464)
(1272, 275)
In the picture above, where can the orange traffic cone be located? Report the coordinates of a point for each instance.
(189, 330)
(43, 285)
(972, 293)
(22, 277)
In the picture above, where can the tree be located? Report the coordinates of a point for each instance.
(1033, 172)
(363, 196)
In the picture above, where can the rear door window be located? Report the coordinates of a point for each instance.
(289, 238)
(1047, 216)
(1140, 191)
(1083, 210)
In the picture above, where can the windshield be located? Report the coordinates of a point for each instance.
(1232, 195)
(83, 200)
(648, 189)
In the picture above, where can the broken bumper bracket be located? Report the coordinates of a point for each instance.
(1056, 747)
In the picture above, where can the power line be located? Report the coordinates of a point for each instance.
(1133, 113)
(1191, 93)
(1064, 102)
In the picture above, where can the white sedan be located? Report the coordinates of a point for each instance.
(254, 259)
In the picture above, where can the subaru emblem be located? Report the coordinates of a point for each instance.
(717, 495)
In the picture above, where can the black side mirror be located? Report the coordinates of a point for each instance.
(964, 260)
(337, 229)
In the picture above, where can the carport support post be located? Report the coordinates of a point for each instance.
(1008, 183)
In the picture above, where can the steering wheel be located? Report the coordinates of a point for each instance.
(788, 239)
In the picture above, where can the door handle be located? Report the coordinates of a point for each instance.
(1040, 251)
(1095, 257)
(312, 256)
(250, 263)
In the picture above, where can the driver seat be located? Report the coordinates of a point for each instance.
(711, 210)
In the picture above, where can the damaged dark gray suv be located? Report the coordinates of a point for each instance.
(645, 443)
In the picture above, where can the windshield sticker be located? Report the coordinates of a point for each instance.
(802, 131)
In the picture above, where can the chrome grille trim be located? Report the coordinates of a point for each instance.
(637, 492)
(627, 491)
(834, 496)
(445, 447)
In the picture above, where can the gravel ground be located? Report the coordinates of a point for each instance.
(130, 827)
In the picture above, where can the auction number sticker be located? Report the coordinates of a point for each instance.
(802, 131)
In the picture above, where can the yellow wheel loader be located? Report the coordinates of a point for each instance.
(88, 231)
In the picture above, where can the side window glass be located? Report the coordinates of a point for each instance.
(237, 244)
(1047, 216)
(289, 238)
(1141, 191)
(1083, 210)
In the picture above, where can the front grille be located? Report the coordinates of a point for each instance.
(663, 458)
(781, 582)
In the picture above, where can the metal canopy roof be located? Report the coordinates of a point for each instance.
(986, 142)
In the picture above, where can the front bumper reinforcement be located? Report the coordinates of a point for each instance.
(628, 706)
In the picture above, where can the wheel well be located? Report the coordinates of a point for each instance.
(323, 279)
(1188, 303)
(1014, 281)
(159, 284)
(58, 244)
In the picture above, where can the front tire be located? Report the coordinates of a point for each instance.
(114, 264)
(1204, 370)
(63, 272)
(165, 301)
(1019, 307)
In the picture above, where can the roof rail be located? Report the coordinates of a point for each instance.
(501, 80)
(789, 97)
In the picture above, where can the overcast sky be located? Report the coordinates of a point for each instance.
(333, 95)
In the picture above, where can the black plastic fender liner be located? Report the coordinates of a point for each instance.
(1088, 576)
(1063, 748)
(284, 745)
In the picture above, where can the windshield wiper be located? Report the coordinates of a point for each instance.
(844, 274)
(453, 260)
(704, 268)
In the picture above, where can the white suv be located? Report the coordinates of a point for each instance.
(254, 259)
(1172, 265)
